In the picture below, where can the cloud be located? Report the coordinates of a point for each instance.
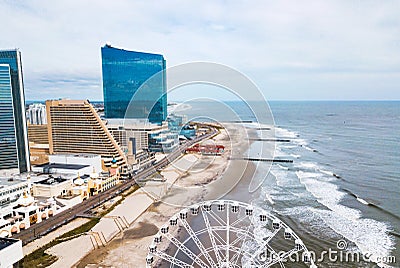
(283, 46)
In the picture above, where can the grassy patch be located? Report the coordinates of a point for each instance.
(39, 258)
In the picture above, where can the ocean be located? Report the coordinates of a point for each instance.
(343, 184)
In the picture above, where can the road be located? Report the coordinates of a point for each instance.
(42, 228)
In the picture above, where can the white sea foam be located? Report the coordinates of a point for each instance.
(330, 173)
(362, 201)
(326, 193)
(308, 148)
(287, 146)
(282, 177)
(369, 235)
(268, 198)
(303, 143)
(257, 125)
(297, 156)
(309, 218)
(308, 165)
(282, 167)
(280, 153)
(285, 133)
(279, 194)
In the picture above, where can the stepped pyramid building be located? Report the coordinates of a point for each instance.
(74, 127)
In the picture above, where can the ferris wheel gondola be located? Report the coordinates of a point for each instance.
(225, 233)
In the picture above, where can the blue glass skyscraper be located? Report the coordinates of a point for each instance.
(124, 72)
(14, 150)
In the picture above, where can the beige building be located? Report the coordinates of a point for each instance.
(74, 127)
(38, 134)
(38, 144)
(52, 186)
(39, 153)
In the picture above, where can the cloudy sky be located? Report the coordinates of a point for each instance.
(313, 50)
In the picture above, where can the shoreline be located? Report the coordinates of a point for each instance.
(202, 178)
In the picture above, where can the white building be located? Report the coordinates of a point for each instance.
(70, 164)
(36, 114)
(10, 252)
(18, 209)
(11, 189)
(92, 160)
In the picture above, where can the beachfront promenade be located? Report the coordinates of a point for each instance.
(42, 228)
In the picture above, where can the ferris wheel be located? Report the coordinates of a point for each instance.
(226, 234)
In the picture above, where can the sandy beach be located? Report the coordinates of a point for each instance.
(190, 179)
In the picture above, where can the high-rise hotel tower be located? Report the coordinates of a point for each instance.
(74, 127)
(124, 72)
(14, 146)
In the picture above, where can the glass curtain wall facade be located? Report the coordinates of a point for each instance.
(8, 141)
(14, 150)
(124, 72)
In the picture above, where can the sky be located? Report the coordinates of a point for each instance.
(292, 50)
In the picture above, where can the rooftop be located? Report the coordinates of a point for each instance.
(132, 123)
(109, 46)
(5, 242)
(9, 181)
(52, 180)
(62, 166)
(82, 155)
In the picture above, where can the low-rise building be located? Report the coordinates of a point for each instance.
(27, 212)
(10, 252)
(11, 189)
(180, 125)
(91, 160)
(52, 186)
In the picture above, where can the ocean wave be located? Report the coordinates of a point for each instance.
(310, 218)
(282, 167)
(327, 194)
(359, 199)
(371, 204)
(285, 133)
(282, 178)
(308, 165)
(280, 153)
(370, 236)
(287, 146)
(303, 143)
(315, 167)
(330, 173)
